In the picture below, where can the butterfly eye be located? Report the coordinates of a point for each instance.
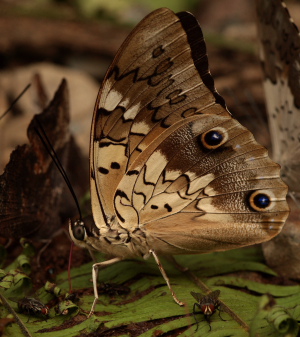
(78, 230)
(260, 201)
(212, 139)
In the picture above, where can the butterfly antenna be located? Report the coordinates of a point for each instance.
(15, 100)
(47, 144)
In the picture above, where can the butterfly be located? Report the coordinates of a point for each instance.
(279, 53)
(171, 172)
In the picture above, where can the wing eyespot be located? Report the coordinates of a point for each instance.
(214, 138)
(260, 201)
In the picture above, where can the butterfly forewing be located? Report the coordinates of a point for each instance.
(279, 53)
(152, 84)
(168, 159)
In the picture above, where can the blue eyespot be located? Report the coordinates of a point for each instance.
(213, 138)
(261, 200)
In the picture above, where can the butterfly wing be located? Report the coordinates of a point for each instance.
(151, 164)
(152, 83)
(279, 53)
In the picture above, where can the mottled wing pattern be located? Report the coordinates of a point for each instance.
(279, 53)
(152, 84)
(151, 165)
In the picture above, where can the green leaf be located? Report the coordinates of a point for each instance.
(23, 260)
(273, 320)
(149, 308)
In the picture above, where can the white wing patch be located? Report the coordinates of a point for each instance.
(112, 100)
(200, 182)
(141, 127)
(131, 112)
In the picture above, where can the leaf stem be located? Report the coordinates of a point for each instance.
(16, 317)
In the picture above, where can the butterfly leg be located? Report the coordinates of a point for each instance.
(165, 277)
(95, 270)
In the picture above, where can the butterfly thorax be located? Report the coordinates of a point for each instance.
(110, 238)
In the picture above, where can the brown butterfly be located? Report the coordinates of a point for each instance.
(171, 171)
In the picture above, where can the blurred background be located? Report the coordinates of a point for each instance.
(77, 40)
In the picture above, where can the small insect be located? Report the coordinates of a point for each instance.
(33, 307)
(208, 304)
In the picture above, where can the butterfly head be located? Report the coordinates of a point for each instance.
(78, 232)
(85, 234)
